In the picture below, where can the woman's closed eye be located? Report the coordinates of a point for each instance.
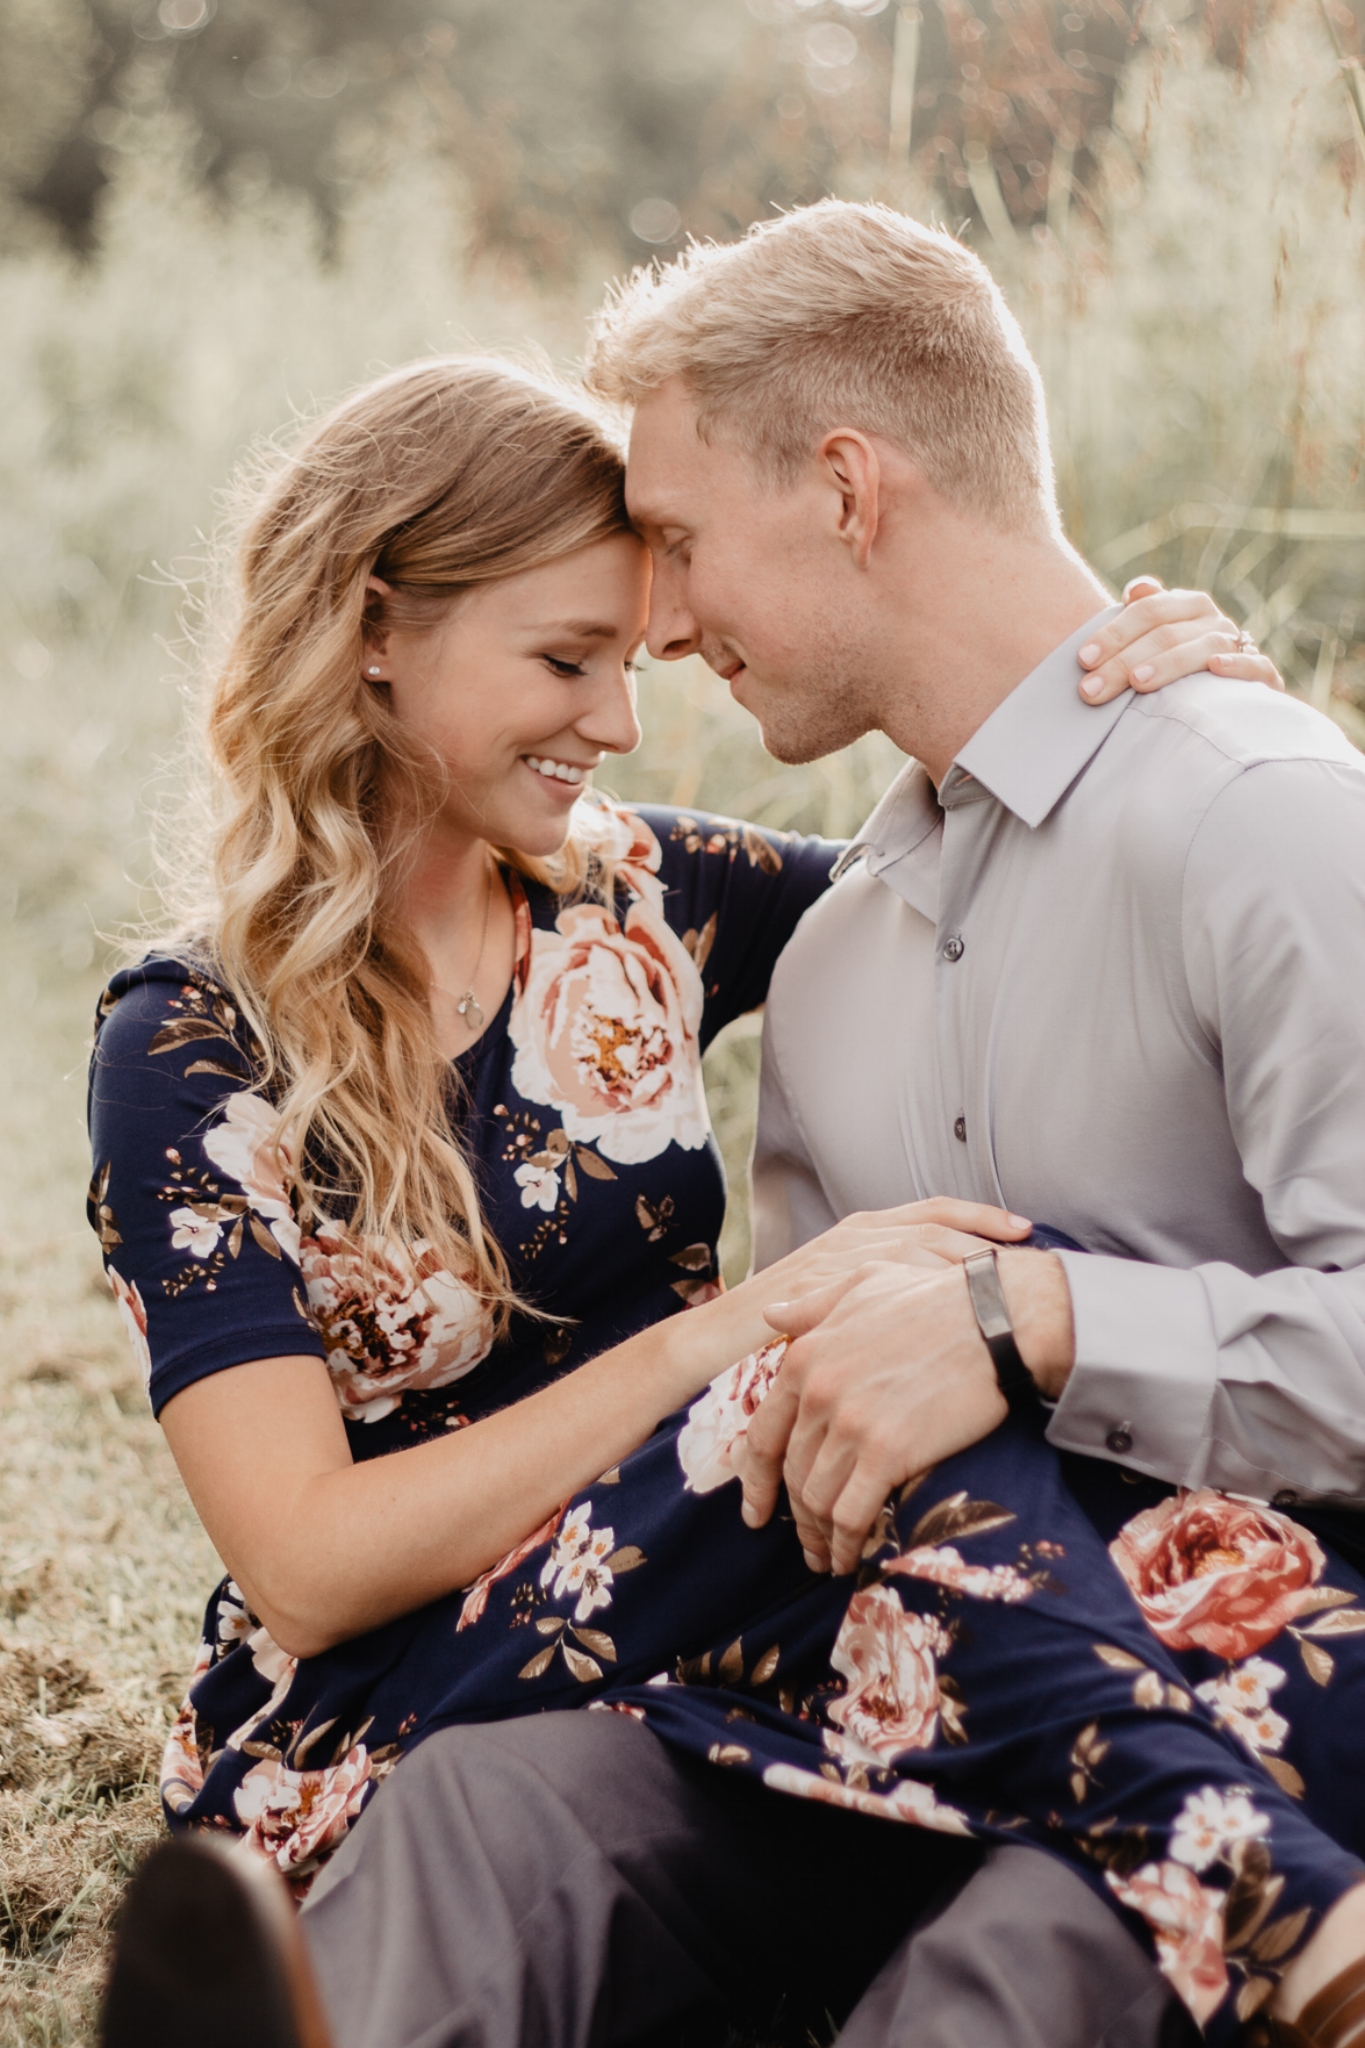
(558, 666)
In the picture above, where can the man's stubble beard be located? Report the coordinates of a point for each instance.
(817, 713)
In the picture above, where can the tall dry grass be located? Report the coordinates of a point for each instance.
(1199, 317)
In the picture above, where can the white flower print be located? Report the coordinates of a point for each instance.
(195, 1233)
(1241, 1702)
(578, 1563)
(944, 1566)
(244, 1147)
(277, 1667)
(1210, 1822)
(539, 1186)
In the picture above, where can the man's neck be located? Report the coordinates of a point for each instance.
(983, 609)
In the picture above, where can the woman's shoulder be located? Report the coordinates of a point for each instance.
(168, 1003)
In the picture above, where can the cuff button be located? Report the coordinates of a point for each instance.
(1285, 1498)
(1119, 1439)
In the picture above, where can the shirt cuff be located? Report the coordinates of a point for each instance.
(1146, 1369)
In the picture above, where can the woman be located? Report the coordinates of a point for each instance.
(401, 1147)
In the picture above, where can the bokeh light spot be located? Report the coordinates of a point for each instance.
(655, 220)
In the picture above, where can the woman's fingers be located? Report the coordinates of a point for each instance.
(981, 1219)
(1161, 636)
(1247, 668)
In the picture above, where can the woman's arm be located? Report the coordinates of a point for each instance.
(325, 1549)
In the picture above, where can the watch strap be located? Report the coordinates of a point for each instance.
(993, 1320)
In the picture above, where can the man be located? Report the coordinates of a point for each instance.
(567, 1879)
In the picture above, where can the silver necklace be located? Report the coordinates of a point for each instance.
(467, 1007)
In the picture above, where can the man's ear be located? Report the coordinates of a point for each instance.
(851, 464)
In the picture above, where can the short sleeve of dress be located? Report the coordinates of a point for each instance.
(735, 894)
(199, 1240)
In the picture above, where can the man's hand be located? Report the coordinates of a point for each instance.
(887, 1375)
(1162, 635)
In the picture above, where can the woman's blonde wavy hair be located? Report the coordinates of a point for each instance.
(443, 476)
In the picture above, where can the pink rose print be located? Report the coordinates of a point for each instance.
(909, 1800)
(606, 1024)
(295, 1817)
(1216, 1574)
(889, 1658)
(390, 1320)
(181, 1777)
(133, 1315)
(243, 1146)
(719, 1421)
(1186, 1919)
(476, 1597)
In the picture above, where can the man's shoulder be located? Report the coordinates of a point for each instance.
(1246, 727)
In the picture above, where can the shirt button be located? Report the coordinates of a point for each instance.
(954, 948)
(960, 1128)
(1120, 1439)
(1285, 1498)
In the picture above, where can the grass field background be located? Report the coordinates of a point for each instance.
(1199, 320)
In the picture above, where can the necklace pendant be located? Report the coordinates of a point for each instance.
(472, 1012)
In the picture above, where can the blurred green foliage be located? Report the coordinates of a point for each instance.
(576, 127)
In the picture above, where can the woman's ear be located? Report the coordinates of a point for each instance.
(376, 639)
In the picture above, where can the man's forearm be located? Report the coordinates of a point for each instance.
(1216, 1377)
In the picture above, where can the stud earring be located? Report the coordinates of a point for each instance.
(373, 671)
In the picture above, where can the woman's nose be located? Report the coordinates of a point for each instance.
(611, 720)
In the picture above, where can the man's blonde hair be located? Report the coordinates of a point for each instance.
(842, 315)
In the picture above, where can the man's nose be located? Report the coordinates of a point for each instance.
(671, 632)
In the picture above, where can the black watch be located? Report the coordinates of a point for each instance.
(1016, 1382)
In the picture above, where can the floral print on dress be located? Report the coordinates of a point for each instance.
(718, 1422)
(133, 1315)
(985, 1649)
(607, 1024)
(890, 1659)
(1216, 1574)
(294, 1818)
(391, 1319)
(246, 1147)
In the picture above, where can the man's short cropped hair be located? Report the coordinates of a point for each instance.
(850, 315)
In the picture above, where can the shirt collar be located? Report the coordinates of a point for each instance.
(1034, 745)
(1027, 755)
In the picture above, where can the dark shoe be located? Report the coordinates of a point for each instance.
(207, 1954)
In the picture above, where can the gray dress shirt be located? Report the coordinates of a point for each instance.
(1113, 977)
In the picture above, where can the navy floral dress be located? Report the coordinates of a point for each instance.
(1160, 1687)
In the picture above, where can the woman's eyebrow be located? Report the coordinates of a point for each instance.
(578, 629)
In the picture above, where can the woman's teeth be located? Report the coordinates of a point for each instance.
(562, 771)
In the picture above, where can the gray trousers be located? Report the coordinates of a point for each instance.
(567, 1881)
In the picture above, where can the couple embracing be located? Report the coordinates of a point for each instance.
(951, 1631)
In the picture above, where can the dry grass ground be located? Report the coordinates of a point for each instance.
(1199, 329)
